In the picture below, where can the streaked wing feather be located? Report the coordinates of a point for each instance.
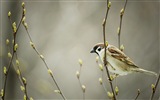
(116, 53)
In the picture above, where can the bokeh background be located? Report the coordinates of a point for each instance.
(65, 31)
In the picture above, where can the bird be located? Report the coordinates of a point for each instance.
(117, 61)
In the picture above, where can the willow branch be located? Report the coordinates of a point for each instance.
(12, 55)
(102, 75)
(105, 58)
(44, 61)
(21, 78)
(120, 24)
(78, 74)
(6, 77)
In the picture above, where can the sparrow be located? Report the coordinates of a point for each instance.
(117, 61)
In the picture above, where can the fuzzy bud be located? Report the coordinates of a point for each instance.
(106, 43)
(24, 80)
(14, 27)
(57, 91)
(2, 93)
(24, 12)
(25, 25)
(17, 62)
(18, 72)
(15, 47)
(30, 98)
(9, 14)
(9, 55)
(103, 22)
(23, 20)
(100, 81)
(116, 90)
(122, 12)
(153, 87)
(7, 41)
(112, 77)
(42, 57)
(4, 70)
(32, 45)
(23, 4)
(110, 95)
(50, 72)
(22, 88)
(24, 97)
(78, 74)
(83, 88)
(109, 4)
(80, 62)
(13, 41)
(101, 67)
(122, 47)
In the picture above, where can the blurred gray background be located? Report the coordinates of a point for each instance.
(65, 31)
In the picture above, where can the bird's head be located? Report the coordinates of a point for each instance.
(98, 48)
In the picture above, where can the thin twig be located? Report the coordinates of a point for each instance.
(138, 93)
(120, 24)
(21, 79)
(156, 84)
(80, 83)
(102, 76)
(78, 74)
(13, 53)
(119, 29)
(46, 65)
(6, 77)
(105, 59)
(137, 96)
(19, 74)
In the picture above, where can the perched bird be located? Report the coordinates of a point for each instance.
(118, 62)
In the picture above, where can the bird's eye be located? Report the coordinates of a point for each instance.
(99, 49)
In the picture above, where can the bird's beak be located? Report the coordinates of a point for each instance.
(92, 51)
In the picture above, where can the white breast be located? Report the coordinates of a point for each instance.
(115, 66)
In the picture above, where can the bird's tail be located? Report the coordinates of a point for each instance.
(145, 71)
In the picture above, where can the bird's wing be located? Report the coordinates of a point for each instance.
(118, 54)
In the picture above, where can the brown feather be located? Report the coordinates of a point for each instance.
(118, 54)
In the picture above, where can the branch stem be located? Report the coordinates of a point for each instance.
(46, 65)
(138, 93)
(13, 53)
(105, 58)
(120, 24)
